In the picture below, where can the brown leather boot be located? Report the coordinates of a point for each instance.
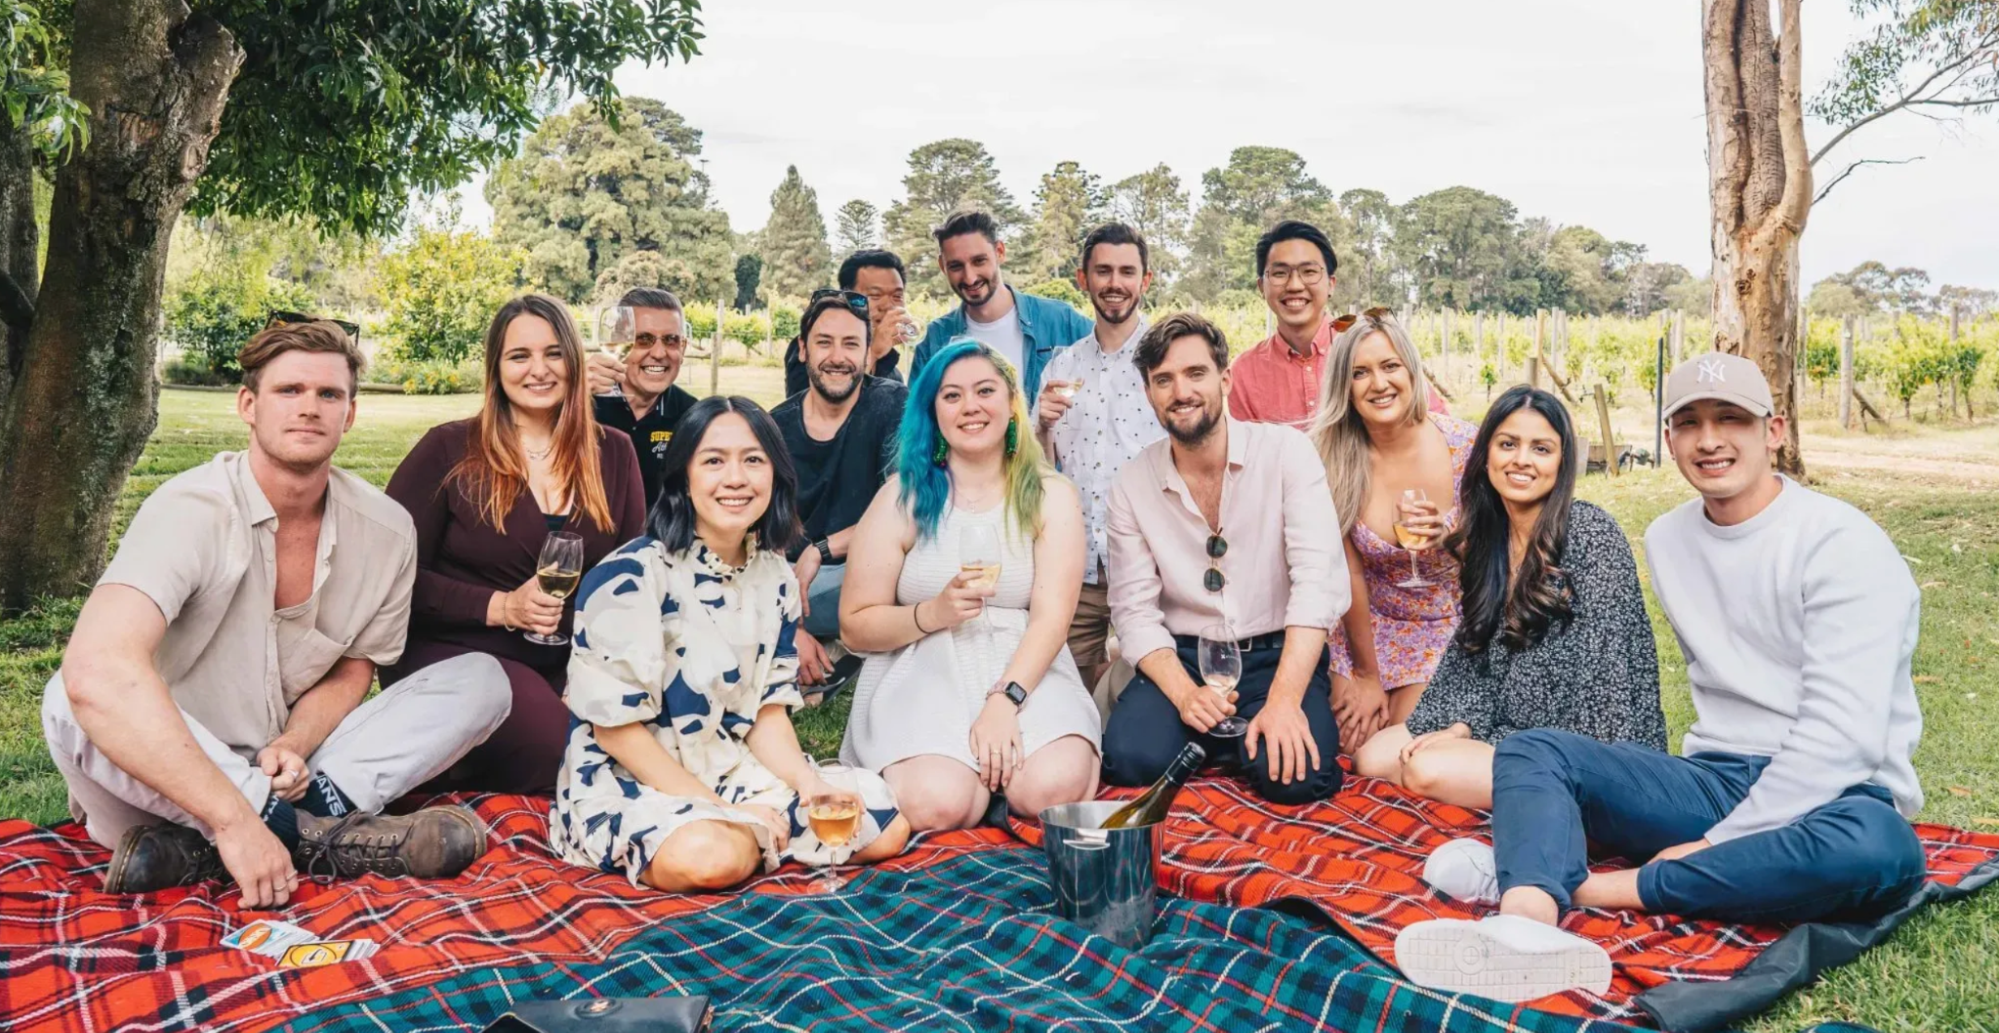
(157, 857)
(433, 843)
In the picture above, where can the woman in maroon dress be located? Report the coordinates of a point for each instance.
(485, 492)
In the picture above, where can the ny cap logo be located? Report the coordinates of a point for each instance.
(1712, 372)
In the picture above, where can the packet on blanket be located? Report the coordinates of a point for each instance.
(326, 952)
(268, 937)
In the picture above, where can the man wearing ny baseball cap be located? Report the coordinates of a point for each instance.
(1797, 616)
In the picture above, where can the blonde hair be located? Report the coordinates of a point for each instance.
(1339, 432)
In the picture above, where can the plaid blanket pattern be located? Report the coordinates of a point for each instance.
(1358, 860)
(967, 942)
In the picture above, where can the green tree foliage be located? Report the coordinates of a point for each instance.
(587, 192)
(1878, 288)
(1582, 271)
(655, 269)
(1461, 247)
(1069, 203)
(856, 230)
(440, 292)
(34, 81)
(1832, 298)
(944, 177)
(749, 277)
(1153, 203)
(1649, 287)
(216, 312)
(796, 258)
(1937, 58)
(1368, 272)
(1258, 187)
(1061, 290)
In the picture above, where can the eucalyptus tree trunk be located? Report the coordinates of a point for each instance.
(1759, 191)
(83, 394)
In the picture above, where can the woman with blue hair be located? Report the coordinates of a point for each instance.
(970, 691)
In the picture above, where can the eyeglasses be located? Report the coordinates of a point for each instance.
(1214, 579)
(854, 300)
(641, 342)
(282, 318)
(1309, 275)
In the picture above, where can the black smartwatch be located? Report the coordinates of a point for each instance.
(825, 551)
(1013, 692)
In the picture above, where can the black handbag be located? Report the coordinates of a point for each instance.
(607, 1015)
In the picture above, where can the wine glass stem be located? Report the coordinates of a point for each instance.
(1414, 574)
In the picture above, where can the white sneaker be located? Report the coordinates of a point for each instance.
(1504, 957)
(1464, 869)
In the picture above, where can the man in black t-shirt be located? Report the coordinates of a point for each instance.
(638, 395)
(841, 432)
(878, 275)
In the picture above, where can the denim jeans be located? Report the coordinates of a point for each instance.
(1555, 792)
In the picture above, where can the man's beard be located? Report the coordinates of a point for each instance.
(1112, 316)
(1211, 417)
(823, 387)
(964, 292)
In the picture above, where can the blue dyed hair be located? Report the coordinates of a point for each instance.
(925, 486)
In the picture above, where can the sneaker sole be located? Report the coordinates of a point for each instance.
(1463, 958)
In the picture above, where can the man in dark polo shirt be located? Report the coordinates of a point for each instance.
(638, 395)
(878, 275)
(841, 432)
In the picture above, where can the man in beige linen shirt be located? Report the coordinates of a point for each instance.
(208, 716)
(1200, 535)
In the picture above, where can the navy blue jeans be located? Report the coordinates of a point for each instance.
(1145, 732)
(1555, 792)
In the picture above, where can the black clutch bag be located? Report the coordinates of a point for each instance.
(607, 1015)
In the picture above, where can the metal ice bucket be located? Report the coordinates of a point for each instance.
(1106, 880)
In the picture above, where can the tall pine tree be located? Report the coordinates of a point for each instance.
(797, 260)
(856, 226)
(1068, 204)
(1153, 204)
(944, 177)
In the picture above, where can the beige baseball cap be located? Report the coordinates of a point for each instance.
(1722, 377)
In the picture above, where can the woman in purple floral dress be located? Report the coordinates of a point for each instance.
(1389, 463)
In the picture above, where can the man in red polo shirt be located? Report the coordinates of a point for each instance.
(1278, 381)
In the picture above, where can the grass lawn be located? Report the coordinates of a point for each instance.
(1932, 490)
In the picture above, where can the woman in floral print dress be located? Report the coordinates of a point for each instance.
(683, 771)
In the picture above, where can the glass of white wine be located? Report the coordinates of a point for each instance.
(558, 571)
(1066, 389)
(1221, 669)
(1414, 541)
(834, 814)
(617, 326)
(979, 557)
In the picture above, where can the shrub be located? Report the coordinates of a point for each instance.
(784, 322)
(746, 329)
(1061, 290)
(442, 290)
(429, 376)
(213, 315)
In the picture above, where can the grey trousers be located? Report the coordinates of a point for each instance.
(404, 736)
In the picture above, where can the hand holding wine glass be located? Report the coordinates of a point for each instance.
(617, 326)
(979, 559)
(558, 571)
(1417, 527)
(1221, 669)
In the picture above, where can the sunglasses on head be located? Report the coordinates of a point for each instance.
(854, 300)
(280, 318)
(1214, 579)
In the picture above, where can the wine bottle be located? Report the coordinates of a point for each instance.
(1151, 806)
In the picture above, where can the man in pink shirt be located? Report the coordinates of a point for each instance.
(1199, 537)
(1279, 380)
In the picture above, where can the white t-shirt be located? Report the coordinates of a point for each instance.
(1002, 335)
(1798, 625)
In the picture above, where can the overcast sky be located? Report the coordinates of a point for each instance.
(1580, 111)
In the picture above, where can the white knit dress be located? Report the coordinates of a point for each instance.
(923, 698)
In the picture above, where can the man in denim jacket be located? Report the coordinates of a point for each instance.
(1024, 328)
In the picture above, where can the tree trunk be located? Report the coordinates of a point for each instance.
(154, 78)
(1759, 192)
(18, 275)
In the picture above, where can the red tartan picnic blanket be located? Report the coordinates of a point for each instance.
(1359, 858)
(75, 959)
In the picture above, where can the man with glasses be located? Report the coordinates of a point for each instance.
(1278, 381)
(1206, 543)
(1093, 417)
(638, 395)
(878, 275)
(841, 433)
(1026, 329)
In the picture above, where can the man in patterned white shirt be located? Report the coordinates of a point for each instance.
(1094, 416)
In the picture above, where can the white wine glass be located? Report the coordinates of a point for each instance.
(617, 326)
(834, 815)
(1221, 669)
(558, 571)
(979, 556)
(1412, 540)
